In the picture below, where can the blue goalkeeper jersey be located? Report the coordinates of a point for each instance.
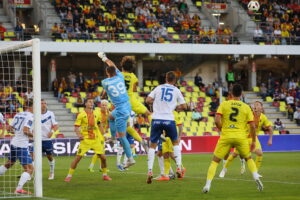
(116, 89)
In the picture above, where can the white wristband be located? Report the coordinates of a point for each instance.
(104, 59)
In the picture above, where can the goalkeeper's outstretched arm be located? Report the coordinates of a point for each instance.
(104, 58)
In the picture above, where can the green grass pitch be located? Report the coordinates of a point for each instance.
(281, 178)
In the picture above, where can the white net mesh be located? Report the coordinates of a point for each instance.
(15, 90)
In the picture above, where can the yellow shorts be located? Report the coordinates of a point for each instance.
(225, 144)
(137, 106)
(87, 144)
(257, 145)
(167, 146)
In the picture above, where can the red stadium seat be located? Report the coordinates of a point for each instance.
(60, 135)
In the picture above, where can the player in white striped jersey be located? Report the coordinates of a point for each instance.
(165, 98)
(2, 121)
(21, 125)
(49, 125)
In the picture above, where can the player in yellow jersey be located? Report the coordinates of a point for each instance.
(232, 118)
(87, 128)
(104, 114)
(260, 121)
(131, 83)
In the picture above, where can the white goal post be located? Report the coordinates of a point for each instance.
(32, 46)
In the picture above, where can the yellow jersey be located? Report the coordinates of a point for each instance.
(130, 81)
(263, 121)
(235, 116)
(88, 124)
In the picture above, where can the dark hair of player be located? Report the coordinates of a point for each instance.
(237, 90)
(111, 70)
(171, 77)
(127, 63)
(28, 104)
(87, 99)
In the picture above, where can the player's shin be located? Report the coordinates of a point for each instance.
(94, 160)
(177, 154)
(24, 178)
(167, 165)
(212, 171)
(151, 158)
(113, 129)
(252, 168)
(119, 155)
(258, 161)
(126, 146)
(229, 161)
(52, 166)
(161, 164)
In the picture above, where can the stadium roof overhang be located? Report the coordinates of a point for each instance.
(153, 48)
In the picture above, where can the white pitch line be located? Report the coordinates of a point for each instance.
(228, 179)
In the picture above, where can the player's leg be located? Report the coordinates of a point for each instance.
(259, 154)
(222, 148)
(160, 160)
(47, 147)
(156, 131)
(26, 161)
(104, 167)
(121, 116)
(119, 157)
(82, 149)
(93, 162)
(243, 147)
(171, 131)
(228, 162)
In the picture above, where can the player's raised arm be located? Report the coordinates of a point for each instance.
(253, 135)
(104, 58)
(26, 131)
(270, 141)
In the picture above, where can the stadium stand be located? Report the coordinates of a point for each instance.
(133, 21)
(277, 22)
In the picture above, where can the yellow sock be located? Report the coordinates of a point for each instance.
(134, 134)
(167, 165)
(104, 170)
(71, 171)
(251, 165)
(258, 161)
(228, 161)
(212, 170)
(94, 159)
(133, 150)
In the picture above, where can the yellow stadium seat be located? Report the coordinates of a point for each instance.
(195, 94)
(100, 89)
(171, 30)
(96, 41)
(102, 29)
(132, 29)
(131, 16)
(282, 104)
(58, 40)
(142, 41)
(155, 83)
(138, 89)
(81, 40)
(261, 133)
(74, 110)
(189, 133)
(155, 3)
(189, 114)
(202, 94)
(167, 42)
(73, 40)
(208, 99)
(182, 89)
(282, 109)
(176, 37)
(194, 123)
(146, 89)
(255, 89)
(89, 40)
(190, 83)
(83, 94)
(66, 40)
(204, 114)
(194, 99)
(276, 132)
(129, 36)
(188, 94)
(187, 99)
(196, 89)
(72, 99)
(69, 105)
(198, 3)
(148, 83)
(20, 110)
(215, 133)
(261, 43)
(269, 99)
(104, 41)
(194, 129)
(199, 133)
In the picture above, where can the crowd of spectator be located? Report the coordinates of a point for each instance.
(278, 22)
(286, 90)
(148, 20)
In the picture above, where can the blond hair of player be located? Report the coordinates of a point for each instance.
(87, 128)
(261, 121)
(232, 118)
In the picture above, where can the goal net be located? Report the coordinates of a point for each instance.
(20, 82)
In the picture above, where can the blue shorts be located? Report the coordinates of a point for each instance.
(159, 146)
(121, 115)
(31, 148)
(129, 138)
(159, 125)
(47, 147)
(20, 153)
